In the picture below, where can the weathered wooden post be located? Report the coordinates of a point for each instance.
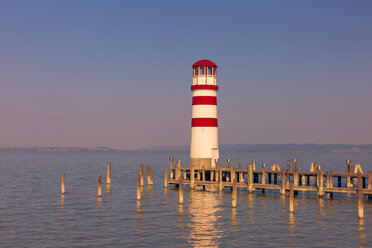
(165, 177)
(347, 165)
(192, 177)
(148, 175)
(141, 174)
(369, 175)
(295, 177)
(62, 182)
(220, 178)
(228, 163)
(138, 187)
(255, 175)
(232, 173)
(241, 176)
(294, 164)
(291, 193)
(320, 182)
(360, 197)
(303, 180)
(250, 177)
(282, 189)
(108, 179)
(99, 185)
(348, 181)
(263, 174)
(288, 171)
(203, 173)
(312, 169)
(233, 203)
(171, 167)
(180, 191)
(178, 170)
(217, 170)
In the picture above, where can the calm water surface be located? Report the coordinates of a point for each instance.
(33, 213)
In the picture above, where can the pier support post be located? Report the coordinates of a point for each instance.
(141, 174)
(320, 183)
(303, 180)
(250, 177)
(108, 179)
(369, 175)
(203, 173)
(138, 187)
(180, 191)
(294, 164)
(295, 176)
(149, 176)
(255, 175)
(171, 167)
(178, 170)
(288, 171)
(192, 177)
(241, 175)
(232, 173)
(282, 189)
(233, 203)
(63, 182)
(99, 185)
(291, 193)
(220, 178)
(165, 177)
(360, 197)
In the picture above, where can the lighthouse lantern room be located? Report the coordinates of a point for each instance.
(204, 126)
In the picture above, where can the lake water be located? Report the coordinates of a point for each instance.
(33, 213)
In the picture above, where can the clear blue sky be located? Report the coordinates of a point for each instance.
(118, 73)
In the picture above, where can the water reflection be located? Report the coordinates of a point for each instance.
(204, 211)
(291, 225)
(362, 236)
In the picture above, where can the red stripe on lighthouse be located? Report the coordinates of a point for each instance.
(204, 122)
(204, 87)
(204, 100)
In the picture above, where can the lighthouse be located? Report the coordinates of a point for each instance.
(204, 124)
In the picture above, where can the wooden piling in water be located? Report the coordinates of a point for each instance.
(291, 193)
(282, 189)
(255, 175)
(178, 170)
(369, 175)
(294, 163)
(288, 170)
(149, 175)
(192, 177)
(203, 173)
(241, 176)
(108, 179)
(234, 194)
(320, 183)
(171, 167)
(232, 173)
(138, 187)
(220, 178)
(141, 175)
(360, 197)
(165, 177)
(99, 185)
(250, 177)
(180, 191)
(62, 182)
(228, 163)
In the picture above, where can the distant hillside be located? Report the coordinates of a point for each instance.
(225, 148)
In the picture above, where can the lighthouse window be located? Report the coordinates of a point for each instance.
(195, 71)
(210, 70)
(201, 70)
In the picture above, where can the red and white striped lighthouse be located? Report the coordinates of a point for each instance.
(204, 127)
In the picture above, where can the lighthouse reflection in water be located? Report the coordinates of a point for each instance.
(205, 213)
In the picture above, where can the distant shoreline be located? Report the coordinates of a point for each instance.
(336, 148)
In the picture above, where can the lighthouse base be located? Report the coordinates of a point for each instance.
(198, 163)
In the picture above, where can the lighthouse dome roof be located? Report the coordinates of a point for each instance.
(204, 62)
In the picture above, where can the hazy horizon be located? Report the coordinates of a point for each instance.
(118, 73)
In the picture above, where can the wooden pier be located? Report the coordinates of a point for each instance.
(315, 180)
